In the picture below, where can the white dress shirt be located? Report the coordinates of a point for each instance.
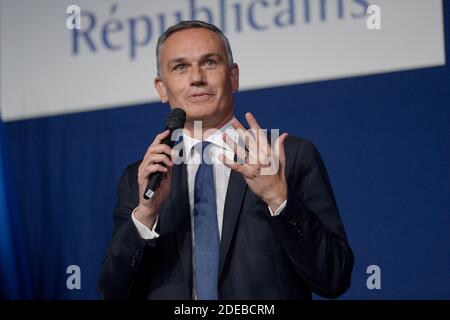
(220, 171)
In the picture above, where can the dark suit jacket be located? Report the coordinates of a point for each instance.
(302, 250)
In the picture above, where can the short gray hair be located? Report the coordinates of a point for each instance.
(191, 24)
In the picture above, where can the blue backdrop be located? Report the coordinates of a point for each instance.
(385, 140)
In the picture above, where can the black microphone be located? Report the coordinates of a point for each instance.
(175, 121)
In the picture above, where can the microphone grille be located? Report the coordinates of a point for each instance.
(176, 119)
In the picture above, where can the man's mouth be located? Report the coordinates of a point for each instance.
(200, 96)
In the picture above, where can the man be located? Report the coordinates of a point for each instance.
(257, 228)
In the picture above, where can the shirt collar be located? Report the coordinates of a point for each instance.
(215, 138)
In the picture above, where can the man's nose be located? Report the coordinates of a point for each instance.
(197, 76)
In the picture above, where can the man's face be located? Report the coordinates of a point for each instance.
(196, 76)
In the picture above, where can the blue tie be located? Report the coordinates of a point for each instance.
(206, 231)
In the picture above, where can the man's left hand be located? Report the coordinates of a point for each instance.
(263, 168)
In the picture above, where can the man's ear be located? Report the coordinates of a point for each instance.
(235, 77)
(161, 88)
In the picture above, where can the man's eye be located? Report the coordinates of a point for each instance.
(210, 63)
(180, 67)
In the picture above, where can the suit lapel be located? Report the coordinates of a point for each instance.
(233, 203)
(180, 214)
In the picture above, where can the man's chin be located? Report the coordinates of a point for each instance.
(199, 112)
(197, 117)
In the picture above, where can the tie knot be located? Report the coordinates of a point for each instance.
(203, 148)
(202, 144)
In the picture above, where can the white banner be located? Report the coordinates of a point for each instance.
(48, 69)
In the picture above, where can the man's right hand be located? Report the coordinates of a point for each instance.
(157, 153)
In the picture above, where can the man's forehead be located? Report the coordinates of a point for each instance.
(197, 40)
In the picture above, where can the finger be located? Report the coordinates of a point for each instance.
(148, 170)
(279, 152)
(152, 168)
(246, 137)
(161, 136)
(241, 153)
(254, 126)
(246, 170)
(157, 149)
(255, 141)
(146, 173)
(160, 157)
(157, 141)
(237, 124)
(230, 163)
(282, 152)
(252, 121)
(261, 136)
(161, 148)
